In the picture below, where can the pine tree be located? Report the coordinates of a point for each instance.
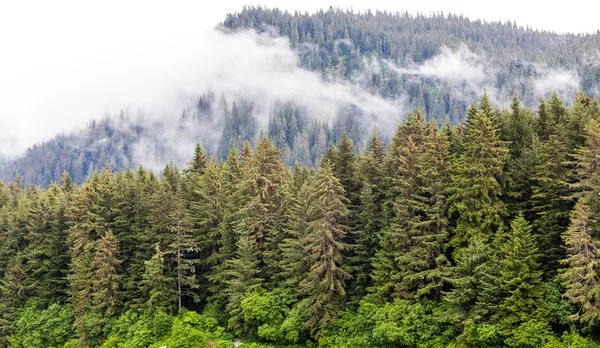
(106, 276)
(587, 169)
(550, 202)
(323, 242)
(206, 215)
(520, 277)
(13, 292)
(82, 234)
(155, 286)
(580, 273)
(199, 162)
(170, 222)
(410, 262)
(240, 275)
(475, 191)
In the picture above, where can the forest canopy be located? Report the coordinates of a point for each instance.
(480, 234)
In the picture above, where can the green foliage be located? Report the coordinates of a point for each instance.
(51, 327)
(464, 237)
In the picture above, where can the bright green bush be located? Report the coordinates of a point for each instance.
(52, 327)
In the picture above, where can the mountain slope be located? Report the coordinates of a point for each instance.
(439, 64)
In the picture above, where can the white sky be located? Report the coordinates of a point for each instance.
(63, 63)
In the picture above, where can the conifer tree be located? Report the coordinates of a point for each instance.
(82, 234)
(155, 284)
(520, 277)
(295, 263)
(580, 272)
(344, 167)
(199, 162)
(240, 275)
(475, 191)
(106, 275)
(370, 217)
(587, 169)
(324, 285)
(518, 132)
(13, 292)
(170, 222)
(544, 126)
(410, 262)
(206, 215)
(39, 244)
(260, 190)
(550, 202)
(473, 274)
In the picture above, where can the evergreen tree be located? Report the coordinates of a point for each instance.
(260, 190)
(106, 277)
(475, 191)
(240, 275)
(170, 222)
(82, 234)
(155, 285)
(580, 273)
(199, 162)
(13, 292)
(474, 295)
(520, 278)
(206, 215)
(550, 202)
(587, 168)
(410, 262)
(518, 132)
(324, 285)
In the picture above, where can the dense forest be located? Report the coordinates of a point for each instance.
(485, 233)
(368, 50)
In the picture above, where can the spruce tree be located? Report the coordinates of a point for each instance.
(587, 169)
(475, 192)
(106, 276)
(411, 261)
(206, 215)
(155, 285)
(240, 275)
(580, 272)
(550, 202)
(170, 224)
(324, 285)
(82, 234)
(520, 278)
(261, 195)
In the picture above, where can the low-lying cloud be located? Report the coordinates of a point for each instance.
(452, 65)
(560, 81)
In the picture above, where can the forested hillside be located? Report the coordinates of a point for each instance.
(439, 63)
(483, 234)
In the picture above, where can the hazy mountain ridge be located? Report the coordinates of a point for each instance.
(394, 61)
